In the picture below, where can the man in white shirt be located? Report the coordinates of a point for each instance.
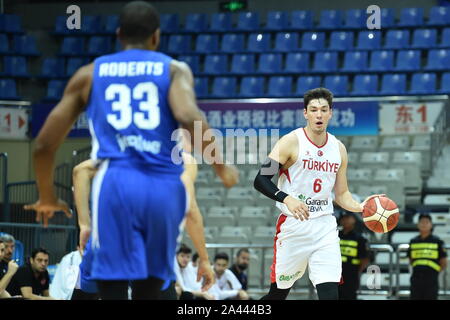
(227, 285)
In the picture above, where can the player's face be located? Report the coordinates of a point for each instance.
(9, 249)
(183, 259)
(220, 266)
(40, 262)
(425, 225)
(317, 115)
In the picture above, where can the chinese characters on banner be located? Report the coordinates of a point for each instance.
(404, 118)
(13, 123)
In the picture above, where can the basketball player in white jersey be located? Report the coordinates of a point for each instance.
(312, 164)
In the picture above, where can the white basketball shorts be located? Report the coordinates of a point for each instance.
(312, 243)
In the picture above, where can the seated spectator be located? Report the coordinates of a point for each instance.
(32, 280)
(6, 275)
(240, 265)
(227, 285)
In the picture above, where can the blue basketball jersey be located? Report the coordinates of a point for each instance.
(128, 111)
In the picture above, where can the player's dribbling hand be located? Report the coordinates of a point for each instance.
(45, 211)
(297, 208)
(229, 175)
(205, 271)
(370, 197)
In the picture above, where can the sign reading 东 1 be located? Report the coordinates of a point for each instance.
(406, 117)
(349, 118)
(13, 123)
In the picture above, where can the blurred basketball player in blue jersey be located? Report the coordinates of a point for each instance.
(134, 101)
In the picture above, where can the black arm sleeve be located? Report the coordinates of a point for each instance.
(263, 181)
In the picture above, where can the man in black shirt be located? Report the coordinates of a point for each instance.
(32, 280)
(355, 256)
(240, 265)
(6, 276)
(428, 257)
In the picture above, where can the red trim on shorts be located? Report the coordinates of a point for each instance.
(306, 135)
(342, 280)
(280, 221)
(286, 172)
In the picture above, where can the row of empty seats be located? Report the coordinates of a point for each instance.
(21, 45)
(306, 41)
(10, 23)
(362, 85)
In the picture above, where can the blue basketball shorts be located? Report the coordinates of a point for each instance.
(87, 284)
(137, 215)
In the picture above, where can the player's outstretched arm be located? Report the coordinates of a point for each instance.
(55, 129)
(82, 176)
(281, 155)
(184, 107)
(194, 223)
(343, 197)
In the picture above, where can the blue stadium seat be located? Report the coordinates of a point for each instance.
(258, 42)
(365, 85)
(221, 22)
(355, 61)
(423, 83)
(338, 85)
(439, 16)
(99, 45)
(243, 63)
(445, 83)
(369, 40)
(325, 62)
(393, 84)
(297, 62)
(307, 83)
(25, 45)
(162, 46)
(397, 39)
(232, 42)
(73, 64)
(179, 43)
(424, 38)
(192, 60)
(201, 87)
(286, 41)
(224, 87)
(280, 87)
(313, 41)
(248, 21)
(91, 24)
(52, 68)
(15, 66)
(11, 23)
(55, 89)
(330, 19)
(196, 22)
(252, 87)
(207, 43)
(445, 42)
(170, 22)
(301, 20)
(341, 40)
(277, 20)
(111, 24)
(60, 25)
(411, 17)
(387, 18)
(355, 19)
(19, 253)
(408, 60)
(269, 63)
(215, 64)
(382, 60)
(4, 44)
(72, 46)
(438, 59)
(8, 90)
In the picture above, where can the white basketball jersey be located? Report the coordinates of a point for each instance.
(311, 178)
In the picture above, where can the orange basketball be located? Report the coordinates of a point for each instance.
(380, 214)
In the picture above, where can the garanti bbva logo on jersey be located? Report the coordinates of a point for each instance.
(314, 205)
(289, 277)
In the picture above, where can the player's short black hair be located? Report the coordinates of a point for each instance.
(221, 255)
(242, 250)
(38, 250)
(317, 93)
(138, 21)
(184, 249)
